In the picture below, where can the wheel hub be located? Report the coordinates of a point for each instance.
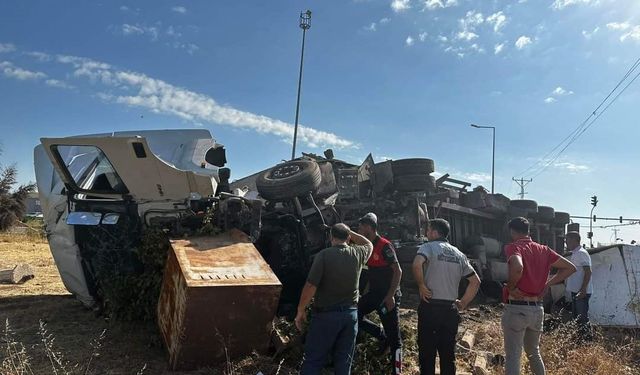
(285, 171)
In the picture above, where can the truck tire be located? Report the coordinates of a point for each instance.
(415, 183)
(562, 218)
(523, 207)
(546, 214)
(289, 180)
(407, 167)
(525, 203)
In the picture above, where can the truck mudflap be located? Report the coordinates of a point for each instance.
(218, 300)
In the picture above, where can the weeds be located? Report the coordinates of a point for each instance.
(17, 360)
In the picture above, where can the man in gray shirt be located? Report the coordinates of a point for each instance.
(438, 269)
(333, 280)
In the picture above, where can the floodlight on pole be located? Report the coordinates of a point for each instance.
(493, 157)
(305, 24)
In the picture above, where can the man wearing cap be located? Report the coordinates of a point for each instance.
(529, 264)
(383, 296)
(333, 281)
(438, 269)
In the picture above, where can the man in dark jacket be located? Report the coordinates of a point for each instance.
(383, 295)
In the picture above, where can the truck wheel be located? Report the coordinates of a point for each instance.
(406, 167)
(289, 180)
(415, 183)
(525, 203)
(562, 218)
(546, 214)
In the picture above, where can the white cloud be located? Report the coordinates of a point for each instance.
(471, 20)
(468, 25)
(634, 34)
(373, 26)
(550, 100)
(409, 41)
(126, 9)
(7, 47)
(179, 9)
(589, 34)
(139, 90)
(435, 4)
(498, 48)
(442, 39)
(466, 35)
(561, 4)
(189, 47)
(400, 5)
(41, 56)
(559, 91)
(522, 42)
(498, 20)
(477, 48)
(423, 36)
(58, 84)
(138, 29)
(572, 167)
(618, 25)
(11, 71)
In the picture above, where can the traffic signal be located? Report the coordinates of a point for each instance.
(594, 218)
(620, 219)
(594, 201)
(589, 234)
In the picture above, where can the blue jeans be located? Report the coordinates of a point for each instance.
(580, 310)
(331, 333)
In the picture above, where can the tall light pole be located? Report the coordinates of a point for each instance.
(493, 158)
(305, 24)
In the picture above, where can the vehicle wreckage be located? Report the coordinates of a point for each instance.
(271, 223)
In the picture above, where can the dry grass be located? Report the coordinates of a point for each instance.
(564, 353)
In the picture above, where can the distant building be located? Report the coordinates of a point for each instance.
(33, 207)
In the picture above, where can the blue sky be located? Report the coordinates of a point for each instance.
(397, 78)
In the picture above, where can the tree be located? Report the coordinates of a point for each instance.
(12, 201)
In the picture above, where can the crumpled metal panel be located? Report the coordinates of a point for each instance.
(217, 302)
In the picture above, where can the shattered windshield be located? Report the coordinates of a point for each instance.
(90, 169)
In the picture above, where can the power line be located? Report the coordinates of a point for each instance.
(575, 137)
(581, 128)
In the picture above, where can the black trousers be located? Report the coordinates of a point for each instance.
(390, 330)
(437, 329)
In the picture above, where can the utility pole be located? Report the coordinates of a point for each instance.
(305, 24)
(522, 183)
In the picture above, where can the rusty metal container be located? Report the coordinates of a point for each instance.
(217, 302)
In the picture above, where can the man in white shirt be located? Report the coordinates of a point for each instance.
(579, 284)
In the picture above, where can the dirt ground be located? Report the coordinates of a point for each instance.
(135, 348)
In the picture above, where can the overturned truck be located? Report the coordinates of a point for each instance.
(302, 196)
(100, 193)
